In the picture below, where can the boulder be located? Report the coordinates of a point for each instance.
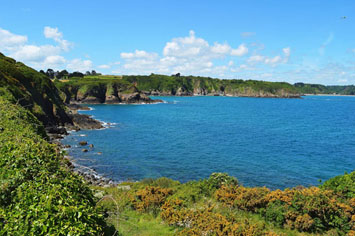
(83, 143)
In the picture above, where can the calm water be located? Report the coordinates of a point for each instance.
(273, 142)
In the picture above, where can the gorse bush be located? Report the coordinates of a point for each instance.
(305, 209)
(38, 194)
(150, 198)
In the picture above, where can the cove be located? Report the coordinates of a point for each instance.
(277, 143)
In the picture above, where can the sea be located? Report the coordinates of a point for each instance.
(272, 142)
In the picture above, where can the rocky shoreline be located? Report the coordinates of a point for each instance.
(80, 121)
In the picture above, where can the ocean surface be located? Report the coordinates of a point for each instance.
(276, 143)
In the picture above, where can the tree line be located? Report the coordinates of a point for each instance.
(64, 74)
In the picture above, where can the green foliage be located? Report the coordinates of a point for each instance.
(322, 89)
(188, 84)
(344, 185)
(38, 194)
(217, 180)
(31, 89)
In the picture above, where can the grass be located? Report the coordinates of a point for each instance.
(128, 221)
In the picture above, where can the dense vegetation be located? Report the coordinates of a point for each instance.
(205, 85)
(38, 194)
(33, 90)
(220, 206)
(323, 89)
(77, 88)
(101, 86)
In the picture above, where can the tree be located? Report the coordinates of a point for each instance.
(62, 74)
(50, 73)
(93, 72)
(76, 74)
(87, 73)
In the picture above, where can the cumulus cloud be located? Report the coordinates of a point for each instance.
(273, 61)
(10, 41)
(187, 55)
(222, 49)
(240, 51)
(138, 54)
(53, 33)
(41, 56)
(80, 65)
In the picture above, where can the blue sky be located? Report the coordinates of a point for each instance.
(293, 41)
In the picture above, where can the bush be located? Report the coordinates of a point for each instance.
(343, 185)
(150, 198)
(38, 194)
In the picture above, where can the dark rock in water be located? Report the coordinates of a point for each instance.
(83, 143)
(67, 146)
(75, 107)
(85, 122)
(91, 145)
(55, 136)
(84, 150)
(56, 130)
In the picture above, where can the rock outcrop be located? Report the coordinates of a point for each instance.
(105, 93)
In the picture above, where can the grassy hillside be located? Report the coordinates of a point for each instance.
(323, 89)
(38, 194)
(33, 90)
(189, 85)
(100, 89)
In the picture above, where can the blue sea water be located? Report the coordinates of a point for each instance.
(276, 143)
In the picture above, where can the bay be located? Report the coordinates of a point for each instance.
(277, 143)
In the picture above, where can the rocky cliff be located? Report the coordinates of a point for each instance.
(101, 91)
(34, 91)
(161, 85)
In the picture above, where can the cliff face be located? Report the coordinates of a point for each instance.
(32, 90)
(160, 85)
(92, 92)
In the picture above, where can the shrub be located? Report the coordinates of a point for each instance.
(150, 198)
(343, 185)
(39, 195)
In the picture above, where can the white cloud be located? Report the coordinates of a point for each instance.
(240, 51)
(80, 65)
(221, 48)
(33, 53)
(138, 54)
(53, 33)
(41, 56)
(255, 58)
(273, 61)
(10, 41)
(186, 55)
